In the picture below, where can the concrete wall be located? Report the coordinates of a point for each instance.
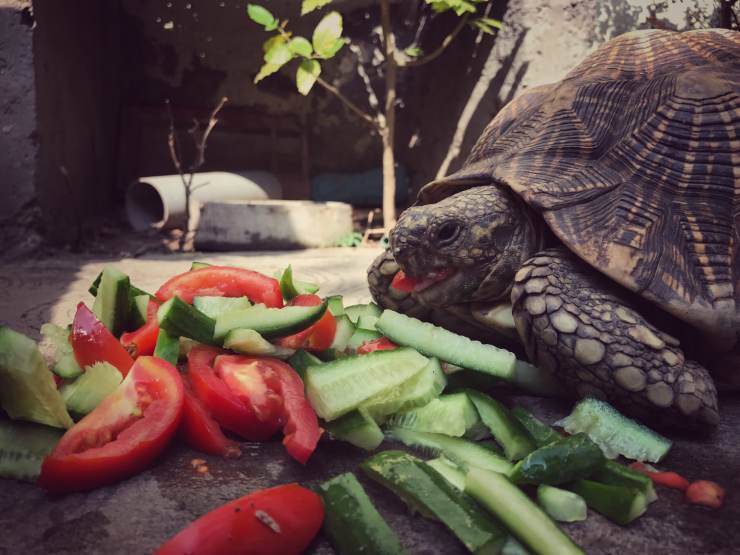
(17, 108)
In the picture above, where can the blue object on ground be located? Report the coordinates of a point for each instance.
(358, 189)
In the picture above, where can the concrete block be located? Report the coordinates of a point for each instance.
(271, 224)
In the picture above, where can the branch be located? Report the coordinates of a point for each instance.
(349, 104)
(442, 47)
(200, 145)
(172, 142)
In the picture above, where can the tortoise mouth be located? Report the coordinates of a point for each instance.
(431, 279)
(441, 288)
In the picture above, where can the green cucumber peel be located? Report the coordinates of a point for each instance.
(560, 504)
(619, 504)
(506, 429)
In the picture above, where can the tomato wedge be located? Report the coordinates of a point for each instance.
(123, 435)
(277, 521)
(231, 412)
(380, 344)
(201, 432)
(404, 283)
(318, 336)
(92, 342)
(223, 281)
(141, 342)
(275, 391)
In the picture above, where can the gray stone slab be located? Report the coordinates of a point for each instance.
(136, 515)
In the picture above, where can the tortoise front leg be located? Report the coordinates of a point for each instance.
(576, 323)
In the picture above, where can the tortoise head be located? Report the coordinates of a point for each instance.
(467, 246)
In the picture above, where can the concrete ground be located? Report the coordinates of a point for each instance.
(136, 515)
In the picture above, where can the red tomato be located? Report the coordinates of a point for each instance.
(92, 342)
(123, 435)
(276, 391)
(200, 431)
(707, 493)
(226, 407)
(223, 281)
(277, 521)
(401, 282)
(317, 337)
(143, 340)
(380, 344)
(667, 479)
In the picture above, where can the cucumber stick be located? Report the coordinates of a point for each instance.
(619, 504)
(520, 515)
(357, 428)
(335, 305)
(180, 319)
(85, 393)
(452, 415)
(23, 447)
(615, 474)
(269, 322)
(466, 454)
(506, 429)
(335, 388)
(301, 360)
(541, 433)
(215, 306)
(352, 523)
(562, 505)
(57, 351)
(435, 341)
(449, 471)
(426, 491)
(345, 330)
(355, 311)
(248, 342)
(167, 347)
(112, 302)
(615, 433)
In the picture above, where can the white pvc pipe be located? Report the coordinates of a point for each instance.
(159, 201)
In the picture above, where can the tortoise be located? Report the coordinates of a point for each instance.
(604, 212)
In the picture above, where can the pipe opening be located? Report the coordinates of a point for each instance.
(144, 207)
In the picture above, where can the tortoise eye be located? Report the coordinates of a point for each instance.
(447, 233)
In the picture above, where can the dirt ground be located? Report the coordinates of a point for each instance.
(138, 514)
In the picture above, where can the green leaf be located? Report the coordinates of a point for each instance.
(278, 55)
(306, 75)
(265, 70)
(413, 51)
(262, 16)
(307, 6)
(491, 22)
(301, 47)
(336, 47)
(272, 42)
(326, 34)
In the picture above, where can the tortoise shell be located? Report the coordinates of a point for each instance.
(633, 161)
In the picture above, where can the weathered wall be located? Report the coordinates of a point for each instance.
(17, 110)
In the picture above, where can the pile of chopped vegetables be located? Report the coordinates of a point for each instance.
(221, 354)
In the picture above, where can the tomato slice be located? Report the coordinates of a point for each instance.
(143, 340)
(404, 283)
(123, 435)
(223, 281)
(277, 521)
(92, 342)
(380, 344)
(318, 336)
(275, 391)
(201, 432)
(227, 408)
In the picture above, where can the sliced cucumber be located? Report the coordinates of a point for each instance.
(139, 306)
(416, 392)
(561, 505)
(506, 429)
(541, 433)
(452, 415)
(615, 474)
(513, 547)
(536, 381)
(428, 492)
(367, 322)
(85, 393)
(525, 519)
(198, 265)
(359, 337)
(357, 428)
(465, 454)
(291, 288)
(345, 330)
(180, 319)
(619, 504)
(335, 388)
(615, 433)
(449, 471)
(57, 351)
(213, 307)
(336, 305)
(23, 447)
(269, 322)
(167, 347)
(112, 303)
(248, 342)
(356, 310)
(433, 340)
(301, 360)
(352, 523)
(571, 458)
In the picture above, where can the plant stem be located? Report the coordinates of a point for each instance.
(440, 49)
(388, 134)
(349, 104)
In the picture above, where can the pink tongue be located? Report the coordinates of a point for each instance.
(432, 278)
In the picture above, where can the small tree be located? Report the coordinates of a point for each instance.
(283, 46)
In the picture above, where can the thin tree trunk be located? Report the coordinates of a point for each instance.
(388, 131)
